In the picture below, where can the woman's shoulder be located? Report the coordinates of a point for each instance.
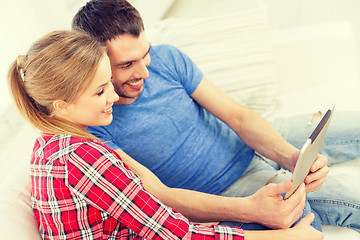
(51, 145)
(65, 140)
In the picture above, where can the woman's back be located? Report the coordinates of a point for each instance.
(59, 197)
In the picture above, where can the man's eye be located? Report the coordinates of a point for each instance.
(101, 92)
(126, 66)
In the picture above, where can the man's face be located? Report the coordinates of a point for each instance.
(129, 57)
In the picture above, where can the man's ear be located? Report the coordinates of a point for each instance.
(61, 107)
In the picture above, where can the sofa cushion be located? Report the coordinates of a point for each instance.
(234, 51)
(16, 217)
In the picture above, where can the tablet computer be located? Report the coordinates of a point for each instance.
(310, 151)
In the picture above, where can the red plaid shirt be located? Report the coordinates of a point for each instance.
(82, 190)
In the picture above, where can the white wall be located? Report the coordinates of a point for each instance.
(22, 22)
(282, 13)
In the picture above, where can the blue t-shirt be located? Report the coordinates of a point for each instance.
(169, 133)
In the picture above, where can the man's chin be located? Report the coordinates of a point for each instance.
(127, 98)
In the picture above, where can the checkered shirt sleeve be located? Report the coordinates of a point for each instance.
(98, 179)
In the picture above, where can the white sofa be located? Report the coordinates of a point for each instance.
(318, 66)
(307, 69)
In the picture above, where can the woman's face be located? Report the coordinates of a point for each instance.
(94, 106)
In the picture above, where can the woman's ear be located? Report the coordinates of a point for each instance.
(61, 107)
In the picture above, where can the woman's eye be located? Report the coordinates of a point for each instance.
(101, 92)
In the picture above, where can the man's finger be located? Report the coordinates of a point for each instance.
(277, 189)
(297, 198)
(318, 175)
(293, 207)
(320, 162)
(315, 185)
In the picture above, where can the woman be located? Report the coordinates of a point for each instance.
(81, 189)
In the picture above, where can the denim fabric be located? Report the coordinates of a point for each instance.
(335, 203)
(254, 178)
(342, 140)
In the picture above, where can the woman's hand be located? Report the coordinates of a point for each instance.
(302, 230)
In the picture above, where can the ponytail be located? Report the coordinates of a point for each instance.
(51, 72)
(16, 78)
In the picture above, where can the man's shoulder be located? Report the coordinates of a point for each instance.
(166, 56)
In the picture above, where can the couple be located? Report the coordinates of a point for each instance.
(82, 188)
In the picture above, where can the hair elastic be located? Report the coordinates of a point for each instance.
(19, 61)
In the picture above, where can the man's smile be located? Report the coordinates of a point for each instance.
(135, 85)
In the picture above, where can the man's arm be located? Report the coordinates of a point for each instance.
(256, 131)
(202, 207)
(252, 128)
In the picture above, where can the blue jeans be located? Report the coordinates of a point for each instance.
(335, 203)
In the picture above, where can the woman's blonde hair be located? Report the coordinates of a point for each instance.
(59, 66)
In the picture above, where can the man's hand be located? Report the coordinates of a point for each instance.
(270, 209)
(318, 172)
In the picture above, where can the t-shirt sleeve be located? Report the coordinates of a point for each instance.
(184, 70)
(99, 177)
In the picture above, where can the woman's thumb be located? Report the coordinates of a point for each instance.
(308, 219)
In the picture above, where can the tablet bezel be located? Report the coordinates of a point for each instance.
(309, 151)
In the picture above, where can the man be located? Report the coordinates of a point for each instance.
(191, 135)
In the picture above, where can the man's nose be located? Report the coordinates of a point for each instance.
(142, 72)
